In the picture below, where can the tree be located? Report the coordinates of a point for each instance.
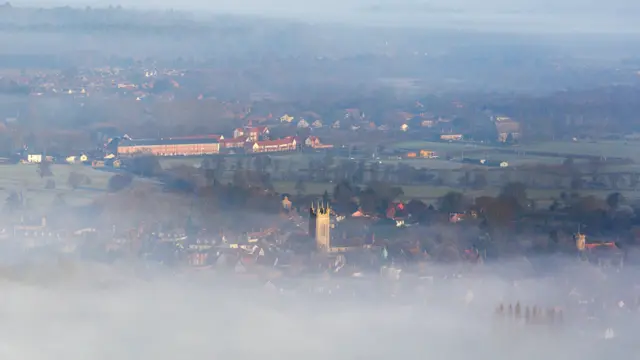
(614, 200)
(145, 165)
(44, 169)
(343, 194)
(325, 197)
(50, 184)
(75, 180)
(501, 211)
(14, 201)
(517, 191)
(300, 187)
(480, 180)
(453, 202)
(59, 201)
(119, 182)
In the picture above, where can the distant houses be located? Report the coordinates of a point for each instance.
(508, 130)
(485, 162)
(451, 137)
(247, 140)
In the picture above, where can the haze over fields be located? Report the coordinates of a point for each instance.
(91, 311)
(617, 16)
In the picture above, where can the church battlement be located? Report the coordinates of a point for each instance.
(320, 226)
(320, 209)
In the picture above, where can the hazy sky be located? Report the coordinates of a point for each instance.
(508, 15)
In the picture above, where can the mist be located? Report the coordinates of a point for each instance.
(86, 310)
(517, 16)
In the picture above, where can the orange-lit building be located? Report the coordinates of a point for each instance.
(286, 144)
(252, 133)
(182, 146)
(314, 142)
(235, 143)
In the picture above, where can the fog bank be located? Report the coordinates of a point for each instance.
(99, 312)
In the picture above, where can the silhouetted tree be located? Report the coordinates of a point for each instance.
(614, 200)
(517, 191)
(44, 169)
(145, 165)
(14, 202)
(75, 180)
(453, 202)
(300, 187)
(50, 184)
(119, 182)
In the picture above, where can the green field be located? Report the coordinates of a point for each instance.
(621, 148)
(24, 177)
(440, 147)
(430, 194)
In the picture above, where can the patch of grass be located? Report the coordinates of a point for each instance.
(617, 148)
(23, 177)
(437, 146)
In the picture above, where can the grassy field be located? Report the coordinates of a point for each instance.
(441, 147)
(22, 177)
(619, 148)
(430, 194)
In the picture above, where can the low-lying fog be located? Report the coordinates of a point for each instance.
(87, 311)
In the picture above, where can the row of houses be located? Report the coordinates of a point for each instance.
(249, 139)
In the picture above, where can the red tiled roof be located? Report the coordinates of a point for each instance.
(211, 136)
(283, 141)
(234, 140)
(258, 129)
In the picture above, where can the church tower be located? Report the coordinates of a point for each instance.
(320, 226)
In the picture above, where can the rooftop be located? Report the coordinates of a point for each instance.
(170, 141)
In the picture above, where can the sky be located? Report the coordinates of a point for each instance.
(506, 15)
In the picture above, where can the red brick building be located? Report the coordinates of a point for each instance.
(252, 133)
(185, 146)
(286, 144)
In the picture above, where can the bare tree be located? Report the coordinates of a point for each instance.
(44, 169)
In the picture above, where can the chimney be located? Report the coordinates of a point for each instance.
(44, 221)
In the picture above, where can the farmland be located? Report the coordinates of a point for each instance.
(24, 178)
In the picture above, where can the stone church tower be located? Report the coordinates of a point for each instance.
(320, 226)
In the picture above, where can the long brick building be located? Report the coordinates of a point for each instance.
(181, 146)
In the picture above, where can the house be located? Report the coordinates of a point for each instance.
(451, 137)
(354, 114)
(314, 142)
(336, 124)
(457, 217)
(34, 158)
(485, 162)
(303, 124)
(507, 129)
(235, 143)
(404, 116)
(286, 144)
(72, 159)
(170, 146)
(253, 133)
(428, 154)
(317, 124)
(286, 118)
(494, 163)
(127, 86)
(404, 127)
(428, 123)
